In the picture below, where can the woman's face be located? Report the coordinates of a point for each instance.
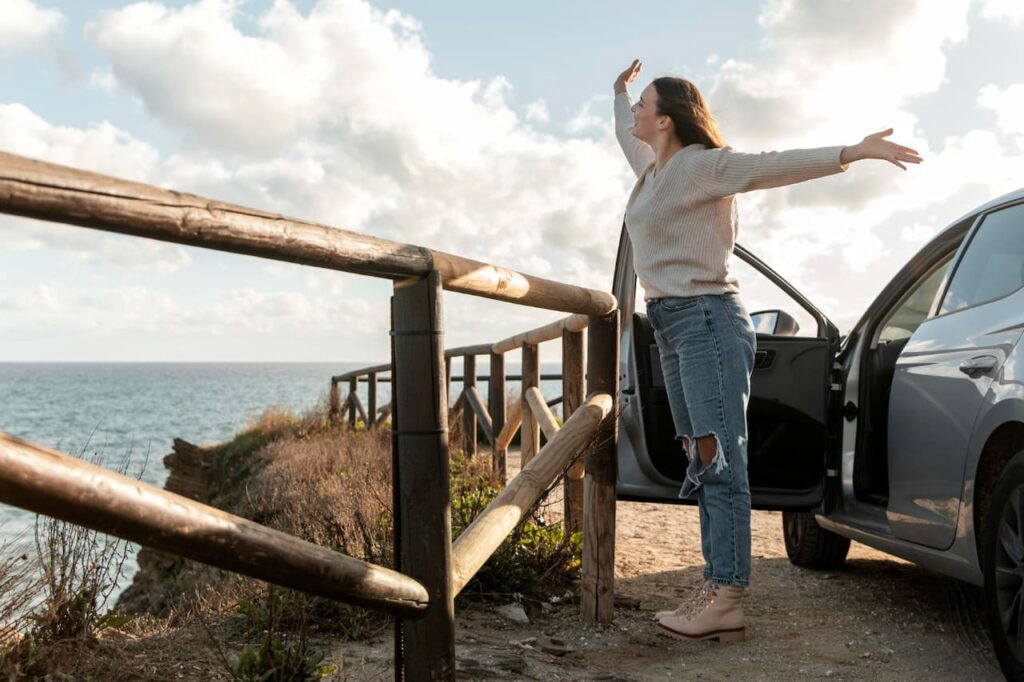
(646, 121)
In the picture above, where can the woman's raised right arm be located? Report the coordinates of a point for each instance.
(638, 153)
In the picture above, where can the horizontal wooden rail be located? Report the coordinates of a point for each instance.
(356, 373)
(476, 544)
(482, 378)
(479, 349)
(47, 191)
(548, 332)
(48, 482)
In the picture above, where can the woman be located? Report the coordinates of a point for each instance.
(682, 224)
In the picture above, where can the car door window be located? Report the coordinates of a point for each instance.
(758, 294)
(993, 265)
(911, 311)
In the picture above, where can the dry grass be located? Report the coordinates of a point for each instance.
(20, 583)
(304, 475)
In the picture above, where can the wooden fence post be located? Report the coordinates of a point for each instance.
(424, 648)
(335, 409)
(353, 386)
(529, 436)
(572, 398)
(371, 395)
(496, 405)
(468, 415)
(597, 600)
(447, 380)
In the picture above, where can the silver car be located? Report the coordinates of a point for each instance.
(906, 435)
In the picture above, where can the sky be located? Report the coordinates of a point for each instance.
(483, 129)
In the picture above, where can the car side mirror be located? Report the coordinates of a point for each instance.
(774, 322)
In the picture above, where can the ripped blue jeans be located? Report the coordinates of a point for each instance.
(707, 346)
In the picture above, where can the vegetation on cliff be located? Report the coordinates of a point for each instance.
(305, 475)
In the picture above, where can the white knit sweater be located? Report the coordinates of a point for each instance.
(682, 220)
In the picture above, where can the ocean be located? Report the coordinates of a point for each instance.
(114, 412)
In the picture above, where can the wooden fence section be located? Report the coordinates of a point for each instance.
(498, 427)
(67, 488)
(428, 570)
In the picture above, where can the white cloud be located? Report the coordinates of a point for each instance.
(101, 147)
(337, 115)
(537, 110)
(1007, 104)
(1012, 10)
(245, 311)
(587, 121)
(24, 25)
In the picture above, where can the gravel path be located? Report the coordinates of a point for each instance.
(879, 618)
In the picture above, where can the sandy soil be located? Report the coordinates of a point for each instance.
(879, 618)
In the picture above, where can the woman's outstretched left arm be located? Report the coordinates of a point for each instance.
(877, 147)
(724, 172)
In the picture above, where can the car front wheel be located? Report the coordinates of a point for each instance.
(811, 546)
(1003, 566)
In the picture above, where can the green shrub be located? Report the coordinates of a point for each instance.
(279, 617)
(534, 559)
(279, 660)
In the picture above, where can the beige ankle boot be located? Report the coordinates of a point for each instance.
(698, 598)
(721, 618)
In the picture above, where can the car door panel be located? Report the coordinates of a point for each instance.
(786, 413)
(932, 408)
(943, 375)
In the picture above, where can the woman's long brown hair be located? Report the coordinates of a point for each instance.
(680, 100)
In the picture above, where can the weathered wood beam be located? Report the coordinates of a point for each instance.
(476, 544)
(54, 484)
(529, 438)
(512, 422)
(480, 410)
(597, 586)
(359, 373)
(371, 394)
(47, 191)
(425, 649)
(468, 416)
(548, 424)
(496, 402)
(334, 411)
(353, 396)
(360, 410)
(548, 332)
(573, 371)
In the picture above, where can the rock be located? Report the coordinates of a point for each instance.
(513, 612)
(553, 646)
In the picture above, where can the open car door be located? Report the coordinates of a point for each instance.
(791, 423)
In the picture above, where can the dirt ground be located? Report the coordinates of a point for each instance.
(879, 618)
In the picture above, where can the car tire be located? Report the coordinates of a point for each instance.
(811, 546)
(1002, 560)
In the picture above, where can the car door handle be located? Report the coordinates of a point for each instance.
(975, 367)
(763, 359)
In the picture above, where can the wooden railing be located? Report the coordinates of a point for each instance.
(529, 411)
(429, 571)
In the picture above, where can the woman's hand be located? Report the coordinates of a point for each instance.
(627, 76)
(876, 147)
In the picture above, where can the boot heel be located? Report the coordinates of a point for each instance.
(732, 636)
